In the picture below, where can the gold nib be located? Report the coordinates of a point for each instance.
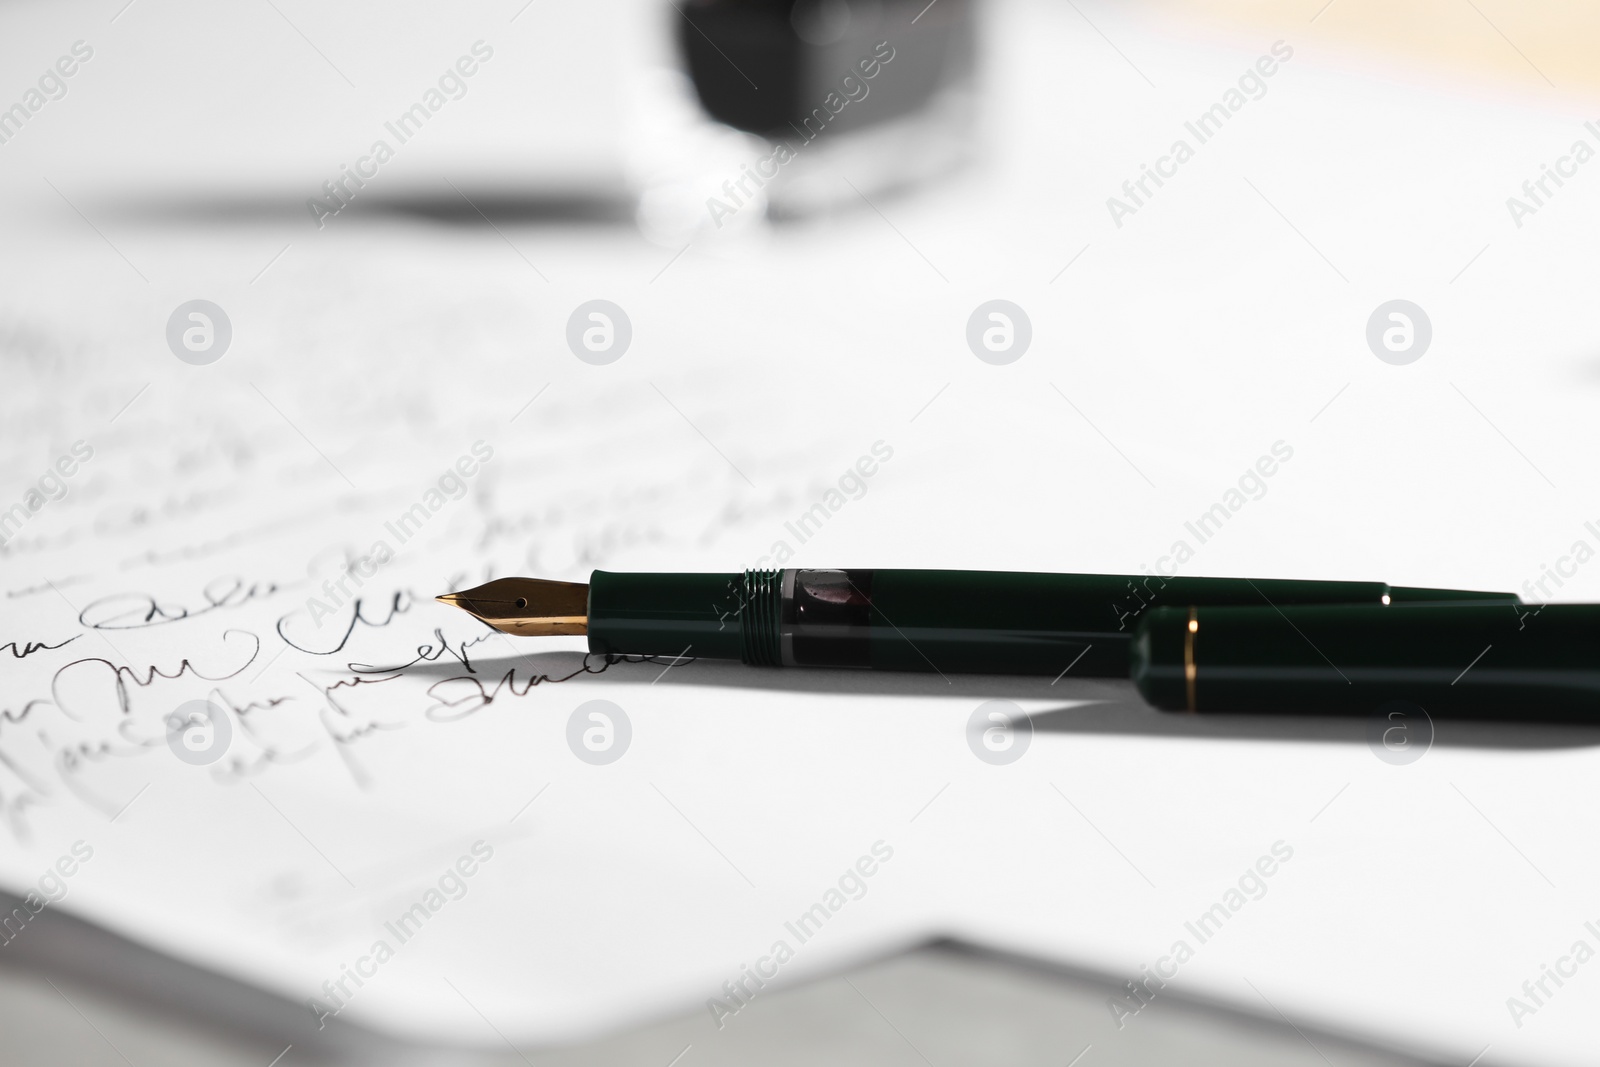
(527, 607)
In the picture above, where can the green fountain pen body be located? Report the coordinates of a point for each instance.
(985, 622)
(1491, 661)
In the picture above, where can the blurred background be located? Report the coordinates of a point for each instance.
(1077, 264)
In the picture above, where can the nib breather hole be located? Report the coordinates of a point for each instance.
(522, 601)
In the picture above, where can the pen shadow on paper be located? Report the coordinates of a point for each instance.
(487, 206)
(1103, 706)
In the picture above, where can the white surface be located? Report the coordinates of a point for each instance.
(1194, 337)
(200, 103)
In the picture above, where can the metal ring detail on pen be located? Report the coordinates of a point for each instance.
(760, 618)
(1189, 669)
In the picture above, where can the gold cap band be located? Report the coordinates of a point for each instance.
(1189, 669)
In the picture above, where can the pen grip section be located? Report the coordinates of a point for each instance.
(645, 614)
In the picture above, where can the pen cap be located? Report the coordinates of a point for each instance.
(1480, 660)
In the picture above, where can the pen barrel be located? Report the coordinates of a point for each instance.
(1465, 660)
(991, 622)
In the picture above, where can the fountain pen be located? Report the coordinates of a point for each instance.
(946, 621)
